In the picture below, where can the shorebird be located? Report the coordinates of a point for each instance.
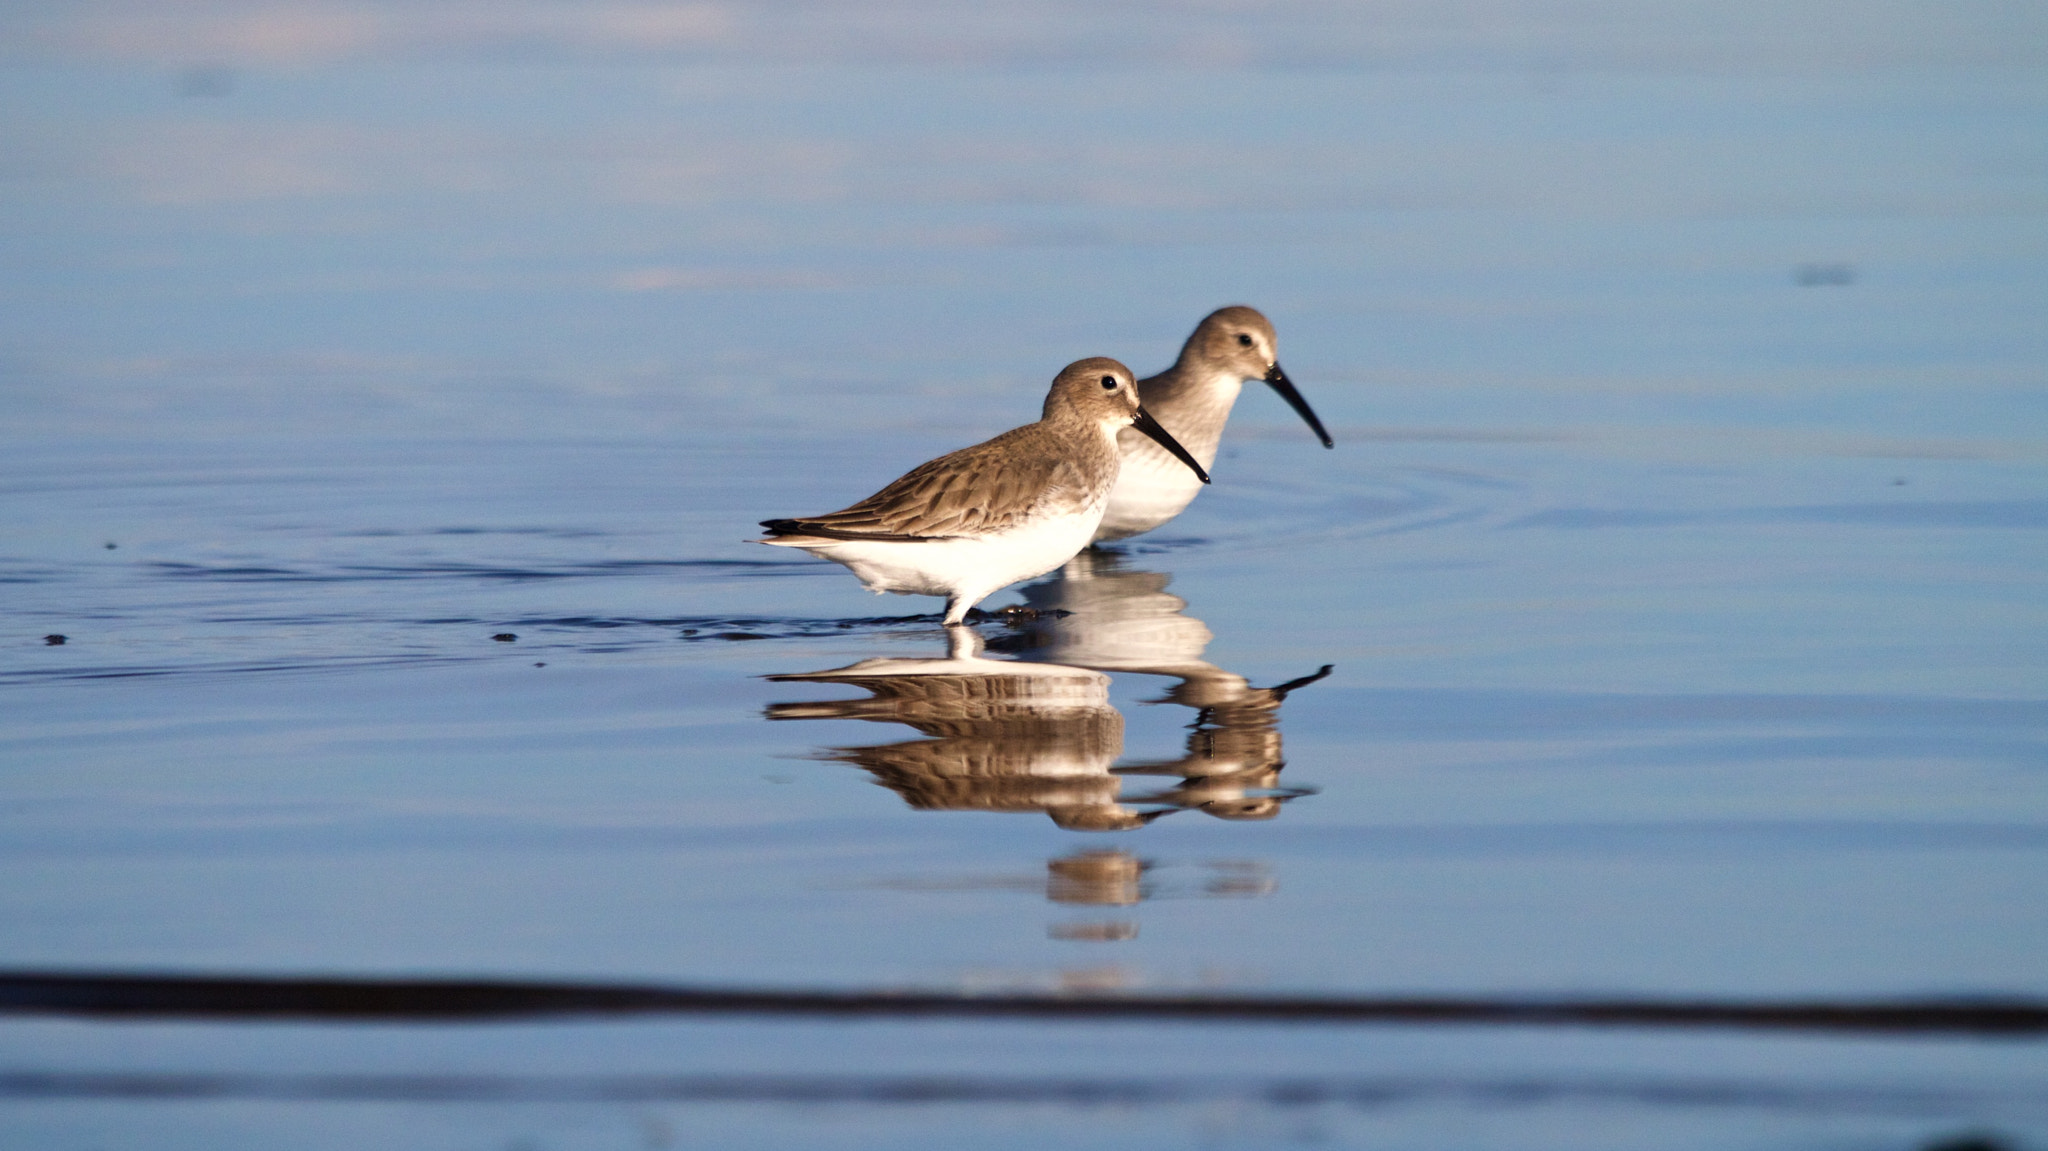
(984, 517)
(1192, 399)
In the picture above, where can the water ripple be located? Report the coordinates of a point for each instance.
(347, 573)
(1918, 514)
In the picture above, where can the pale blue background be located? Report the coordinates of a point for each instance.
(1688, 622)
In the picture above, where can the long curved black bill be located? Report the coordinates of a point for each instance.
(1146, 424)
(1278, 381)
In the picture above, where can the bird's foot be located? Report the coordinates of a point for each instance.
(1016, 615)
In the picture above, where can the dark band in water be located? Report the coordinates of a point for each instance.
(228, 999)
(1079, 1090)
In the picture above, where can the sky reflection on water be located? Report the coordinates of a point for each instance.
(1678, 566)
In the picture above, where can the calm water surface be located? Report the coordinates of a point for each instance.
(1666, 625)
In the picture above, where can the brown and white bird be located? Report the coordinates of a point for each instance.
(982, 518)
(1192, 400)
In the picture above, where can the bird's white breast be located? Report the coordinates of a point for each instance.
(1153, 487)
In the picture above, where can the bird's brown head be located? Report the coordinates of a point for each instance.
(1237, 339)
(1102, 391)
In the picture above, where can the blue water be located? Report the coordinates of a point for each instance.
(1678, 568)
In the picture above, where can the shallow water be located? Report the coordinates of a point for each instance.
(1677, 572)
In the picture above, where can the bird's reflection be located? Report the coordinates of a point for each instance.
(1101, 615)
(1001, 735)
(1096, 878)
(1036, 732)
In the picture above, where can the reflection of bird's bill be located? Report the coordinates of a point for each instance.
(1144, 422)
(1278, 381)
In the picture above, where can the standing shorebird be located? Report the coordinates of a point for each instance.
(1192, 400)
(984, 517)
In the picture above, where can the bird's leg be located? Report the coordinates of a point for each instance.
(956, 610)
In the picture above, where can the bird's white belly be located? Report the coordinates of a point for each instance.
(1151, 488)
(977, 565)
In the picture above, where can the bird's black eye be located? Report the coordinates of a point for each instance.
(1244, 339)
(1109, 383)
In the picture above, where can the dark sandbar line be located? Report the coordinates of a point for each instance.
(1077, 1090)
(226, 998)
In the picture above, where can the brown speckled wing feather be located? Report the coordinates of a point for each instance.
(987, 488)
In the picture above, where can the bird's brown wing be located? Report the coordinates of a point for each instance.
(986, 488)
